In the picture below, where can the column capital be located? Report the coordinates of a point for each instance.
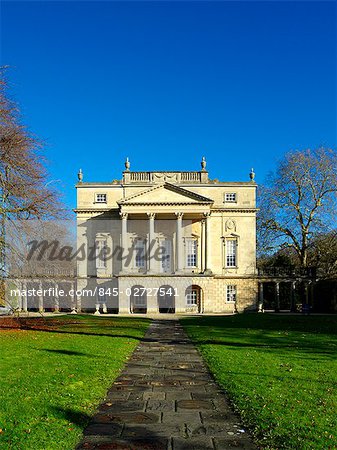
(124, 215)
(207, 214)
(151, 215)
(179, 215)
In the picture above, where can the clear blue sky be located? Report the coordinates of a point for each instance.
(166, 83)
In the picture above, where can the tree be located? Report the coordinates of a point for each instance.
(298, 201)
(25, 191)
(323, 254)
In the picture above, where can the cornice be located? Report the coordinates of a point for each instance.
(124, 205)
(93, 210)
(233, 210)
(135, 204)
(120, 184)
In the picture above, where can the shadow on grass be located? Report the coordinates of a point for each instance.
(313, 337)
(88, 326)
(65, 352)
(88, 333)
(269, 322)
(283, 376)
(272, 344)
(82, 321)
(76, 417)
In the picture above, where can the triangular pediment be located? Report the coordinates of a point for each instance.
(166, 193)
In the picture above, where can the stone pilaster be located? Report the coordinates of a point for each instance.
(124, 241)
(208, 244)
(179, 242)
(151, 249)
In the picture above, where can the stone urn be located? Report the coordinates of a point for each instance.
(127, 164)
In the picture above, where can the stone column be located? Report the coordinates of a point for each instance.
(260, 307)
(41, 310)
(179, 242)
(308, 293)
(73, 301)
(292, 297)
(207, 243)
(311, 296)
(19, 303)
(24, 300)
(277, 296)
(124, 286)
(124, 241)
(78, 299)
(151, 250)
(104, 308)
(56, 298)
(202, 235)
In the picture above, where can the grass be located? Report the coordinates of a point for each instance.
(53, 378)
(280, 373)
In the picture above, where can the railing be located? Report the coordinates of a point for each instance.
(190, 176)
(42, 272)
(140, 176)
(160, 177)
(289, 272)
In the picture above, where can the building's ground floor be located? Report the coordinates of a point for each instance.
(132, 294)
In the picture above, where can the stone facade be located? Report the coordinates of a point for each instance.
(167, 242)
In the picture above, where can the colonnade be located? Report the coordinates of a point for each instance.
(179, 245)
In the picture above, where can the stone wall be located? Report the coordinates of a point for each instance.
(213, 293)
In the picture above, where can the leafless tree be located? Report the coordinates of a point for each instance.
(25, 189)
(298, 202)
(323, 254)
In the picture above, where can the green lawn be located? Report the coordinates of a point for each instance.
(52, 379)
(280, 373)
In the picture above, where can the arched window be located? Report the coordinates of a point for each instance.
(138, 299)
(166, 299)
(193, 297)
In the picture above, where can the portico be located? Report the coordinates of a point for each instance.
(166, 209)
(165, 243)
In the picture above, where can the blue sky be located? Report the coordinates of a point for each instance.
(168, 82)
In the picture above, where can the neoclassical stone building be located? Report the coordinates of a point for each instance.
(167, 242)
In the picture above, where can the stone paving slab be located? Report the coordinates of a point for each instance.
(165, 399)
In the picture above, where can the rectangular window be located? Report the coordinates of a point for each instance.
(231, 293)
(140, 254)
(191, 253)
(101, 253)
(100, 198)
(191, 298)
(231, 250)
(166, 255)
(230, 197)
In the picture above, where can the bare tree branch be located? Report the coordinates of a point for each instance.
(298, 201)
(24, 188)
